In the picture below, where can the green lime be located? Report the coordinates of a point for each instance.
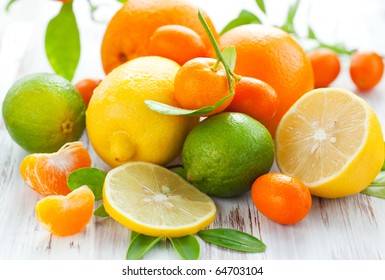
(225, 153)
(42, 112)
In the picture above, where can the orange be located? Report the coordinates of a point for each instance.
(273, 56)
(47, 173)
(200, 83)
(66, 215)
(169, 38)
(366, 69)
(128, 34)
(326, 66)
(86, 88)
(254, 98)
(281, 198)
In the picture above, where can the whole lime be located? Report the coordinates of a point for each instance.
(42, 112)
(225, 153)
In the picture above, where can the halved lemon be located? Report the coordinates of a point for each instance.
(154, 201)
(331, 140)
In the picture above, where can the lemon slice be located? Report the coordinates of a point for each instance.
(331, 140)
(154, 201)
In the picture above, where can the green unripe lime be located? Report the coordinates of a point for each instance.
(225, 153)
(42, 112)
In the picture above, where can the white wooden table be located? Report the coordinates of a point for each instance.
(347, 228)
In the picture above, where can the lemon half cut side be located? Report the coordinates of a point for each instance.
(152, 200)
(331, 140)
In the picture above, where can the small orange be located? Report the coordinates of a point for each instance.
(66, 215)
(47, 173)
(176, 42)
(254, 98)
(86, 88)
(326, 66)
(282, 198)
(200, 82)
(366, 69)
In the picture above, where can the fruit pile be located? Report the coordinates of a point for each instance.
(226, 106)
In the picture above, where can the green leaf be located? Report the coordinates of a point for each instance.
(62, 42)
(232, 239)
(261, 5)
(337, 48)
(375, 191)
(140, 245)
(289, 24)
(10, 2)
(311, 34)
(379, 181)
(133, 235)
(230, 56)
(187, 247)
(101, 212)
(180, 171)
(91, 177)
(122, 1)
(244, 17)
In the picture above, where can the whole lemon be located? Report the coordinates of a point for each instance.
(122, 128)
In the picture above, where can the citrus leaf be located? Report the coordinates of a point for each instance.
(133, 235)
(101, 212)
(62, 42)
(232, 239)
(91, 177)
(375, 191)
(230, 56)
(8, 6)
(311, 34)
(289, 24)
(122, 1)
(244, 17)
(187, 247)
(261, 5)
(140, 245)
(179, 170)
(379, 181)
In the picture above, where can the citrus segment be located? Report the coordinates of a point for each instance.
(155, 201)
(332, 141)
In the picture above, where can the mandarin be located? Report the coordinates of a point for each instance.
(86, 88)
(66, 215)
(326, 66)
(273, 56)
(366, 69)
(129, 32)
(281, 198)
(201, 82)
(47, 173)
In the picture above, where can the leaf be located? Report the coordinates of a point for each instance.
(232, 239)
(261, 5)
(180, 171)
(337, 48)
(375, 191)
(244, 17)
(133, 235)
(122, 1)
(140, 245)
(62, 42)
(230, 56)
(289, 24)
(101, 212)
(187, 247)
(8, 6)
(311, 34)
(379, 181)
(91, 177)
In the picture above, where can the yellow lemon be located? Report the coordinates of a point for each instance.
(122, 128)
(332, 140)
(155, 201)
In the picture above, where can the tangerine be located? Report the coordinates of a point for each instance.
(86, 88)
(47, 173)
(281, 198)
(326, 66)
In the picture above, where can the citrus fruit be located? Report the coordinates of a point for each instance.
(254, 98)
(366, 69)
(273, 56)
(128, 34)
(225, 153)
(282, 198)
(122, 128)
(86, 88)
(154, 201)
(42, 112)
(167, 38)
(326, 66)
(332, 141)
(200, 83)
(66, 215)
(48, 173)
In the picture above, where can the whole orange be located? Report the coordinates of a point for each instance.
(128, 33)
(200, 82)
(282, 198)
(273, 56)
(326, 66)
(366, 69)
(86, 88)
(254, 98)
